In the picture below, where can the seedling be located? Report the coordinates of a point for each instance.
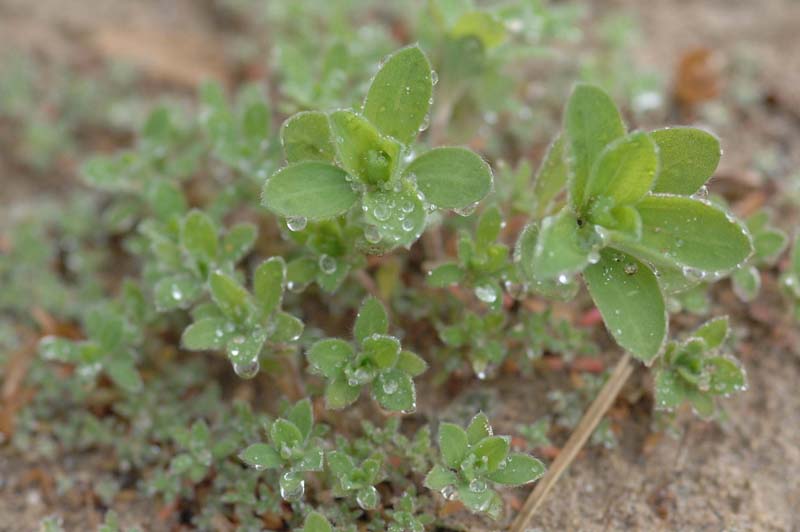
(379, 362)
(473, 461)
(630, 226)
(348, 158)
(293, 450)
(696, 372)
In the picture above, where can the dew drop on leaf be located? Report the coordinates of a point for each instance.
(296, 223)
(449, 493)
(327, 264)
(630, 268)
(486, 293)
(372, 234)
(247, 370)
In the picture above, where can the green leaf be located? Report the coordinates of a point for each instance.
(238, 241)
(340, 464)
(316, 522)
(690, 233)
(205, 333)
(306, 136)
(624, 171)
(339, 394)
(517, 469)
(399, 95)
(439, 478)
(670, 389)
(371, 319)
(394, 391)
(175, 291)
(309, 189)
(481, 24)
(445, 275)
(726, 376)
(123, 372)
(268, 282)
(411, 363)
(494, 449)
(166, 199)
(382, 350)
(287, 329)
(363, 151)
(489, 226)
(231, 297)
(302, 415)
(550, 178)
(713, 332)
(702, 403)
(453, 444)
(769, 244)
(591, 122)
(487, 501)
(57, 348)
(746, 282)
(479, 428)
(261, 456)
(284, 432)
(104, 327)
(561, 248)
(199, 236)
(688, 157)
(328, 357)
(629, 298)
(451, 178)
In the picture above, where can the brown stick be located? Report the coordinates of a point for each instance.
(576, 441)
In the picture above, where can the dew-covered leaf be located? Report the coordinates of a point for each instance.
(382, 350)
(287, 328)
(439, 478)
(479, 428)
(411, 363)
(363, 151)
(630, 301)
(451, 178)
(199, 236)
(238, 241)
(329, 356)
(231, 297)
(262, 456)
(393, 218)
(302, 415)
(205, 333)
(339, 394)
(517, 469)
(316, 522)
(679, 231)
(309, 189)
(371, 319)
(493, 449)
(284, 432)
(560, 249)
(394, 391)
(445, 275)
(713, 332)
(399, 96)
(176, 291)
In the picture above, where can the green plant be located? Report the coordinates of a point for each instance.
(791, 278)
(695, 371)
(630, 225)
(768, 244)
(473, 460)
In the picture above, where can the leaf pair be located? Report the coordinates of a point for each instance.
(380, 362)
(342, 158)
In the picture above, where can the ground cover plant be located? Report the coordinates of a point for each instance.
(257, 305)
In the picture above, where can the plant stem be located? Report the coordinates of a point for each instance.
(576, 441)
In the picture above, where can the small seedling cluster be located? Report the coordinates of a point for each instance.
(320, 261)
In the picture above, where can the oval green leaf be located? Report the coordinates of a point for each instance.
(309, 189)
(451, 178)
(688, 157)
(306, 136)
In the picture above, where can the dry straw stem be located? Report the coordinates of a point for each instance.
(576, 441)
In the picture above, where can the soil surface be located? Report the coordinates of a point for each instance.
(740, 475)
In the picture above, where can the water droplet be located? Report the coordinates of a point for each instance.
(408, 225)
(327, 264)
(468, 210)
(390, 386)
(594, 257)
(372, 234)
(477, 485)
(296, 223)
(515, 290)
(381, 212)
(486, 293)
(449, 492)
(702, 193)
(563, 279)
(426, 122)
(177, 295)
(630, 268)
(291, 489)
(247, 370)
(434, 77)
